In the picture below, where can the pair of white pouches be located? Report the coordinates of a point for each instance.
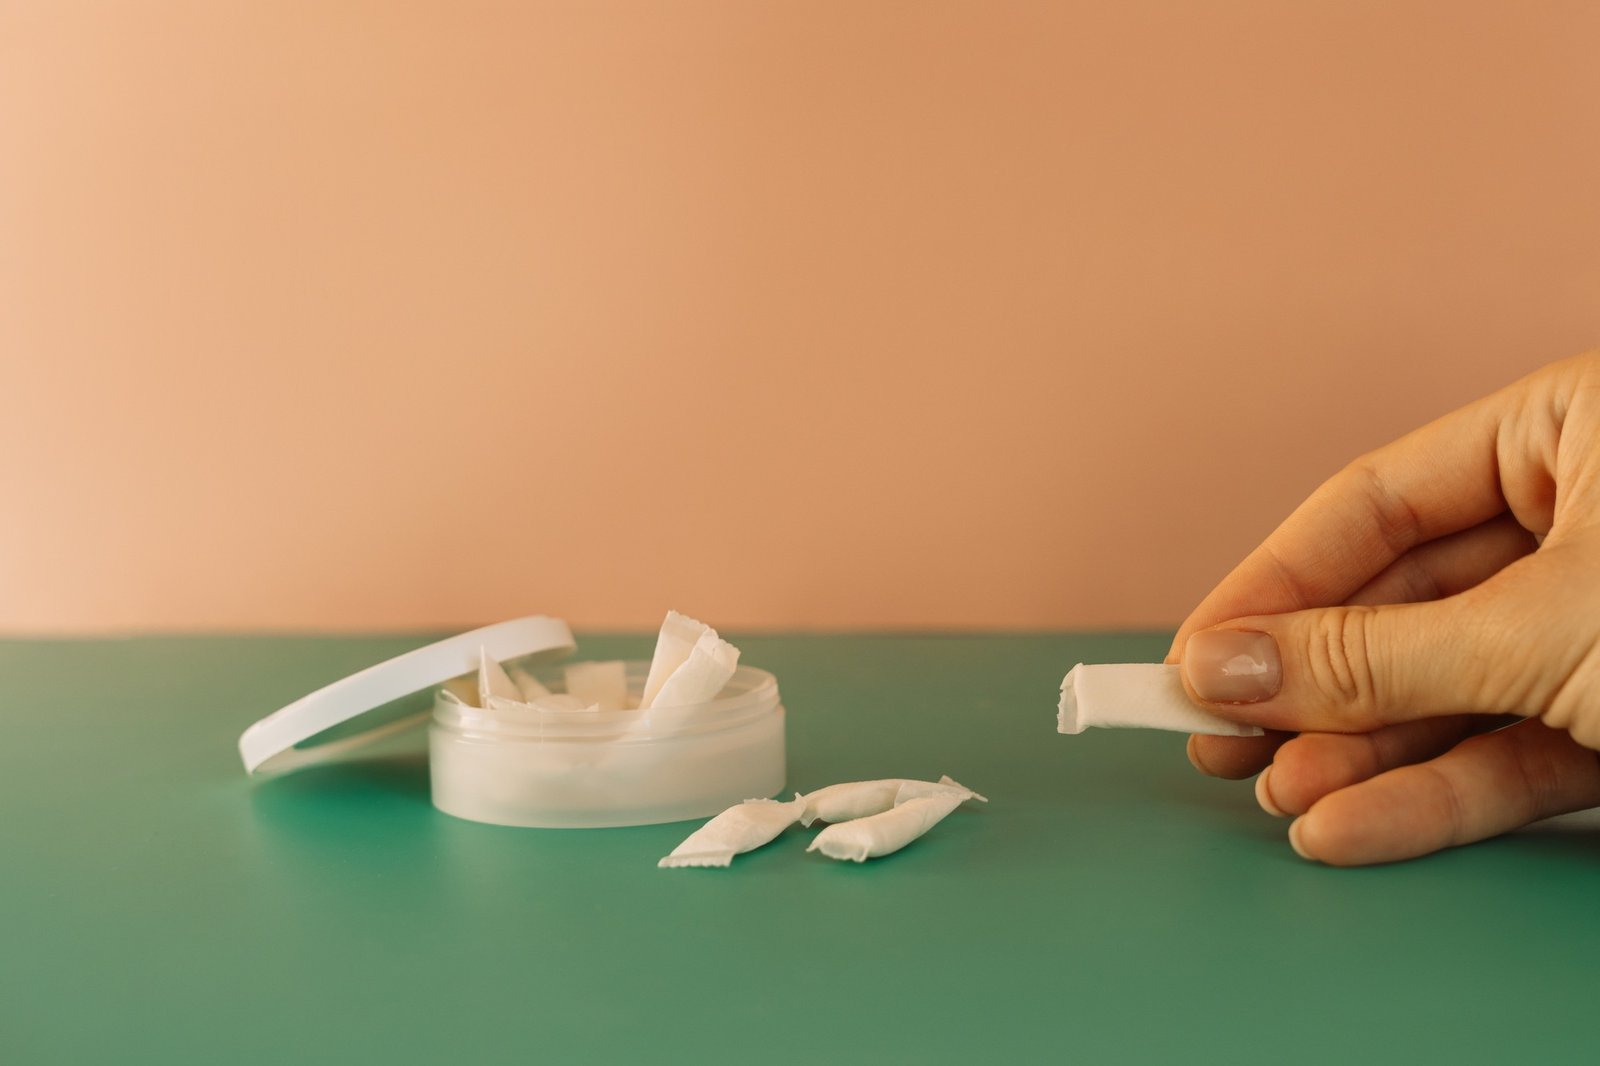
(867, 819)
(691, 664)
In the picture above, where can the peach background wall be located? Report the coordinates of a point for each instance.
(334, 314)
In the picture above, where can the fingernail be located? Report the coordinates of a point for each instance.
(1233, 666)
(1194, 760)
(1294, 840)
(1264, 795)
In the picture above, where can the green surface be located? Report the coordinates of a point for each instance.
(1108, 904)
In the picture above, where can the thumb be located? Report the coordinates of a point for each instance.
(1340, 669)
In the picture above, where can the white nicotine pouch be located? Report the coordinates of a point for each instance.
(701, 676)
(603, 684)
(888, 832)
(531, 687)
(679, 634)
(858, 799)
(494, 684)
(561, 701)
(1136, 696)
(515, 691)
(738, 829)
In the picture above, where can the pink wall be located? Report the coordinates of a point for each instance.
(337, 314)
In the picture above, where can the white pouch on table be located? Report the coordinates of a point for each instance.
(738, 829)
(858, 799)
(888, 832)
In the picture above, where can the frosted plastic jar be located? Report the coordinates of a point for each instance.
(587, 769)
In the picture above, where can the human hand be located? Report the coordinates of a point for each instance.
(1398, 609)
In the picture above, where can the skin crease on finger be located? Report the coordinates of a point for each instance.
(1540, 434)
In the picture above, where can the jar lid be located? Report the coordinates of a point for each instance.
(274, 743)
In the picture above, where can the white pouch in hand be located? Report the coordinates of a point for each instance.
(1136, 695)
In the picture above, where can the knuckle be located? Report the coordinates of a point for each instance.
(1538, 655)
(1339, 657)
(1572, 701)
(1291, 587)
(1414, 583)
(1395, 520)
(1501, 675)
(1452, 808)
(1537, 781)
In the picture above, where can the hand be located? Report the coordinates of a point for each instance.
(1408, 601)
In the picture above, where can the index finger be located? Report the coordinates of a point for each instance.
(1453, 473)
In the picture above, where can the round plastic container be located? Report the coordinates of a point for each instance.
(548, 768)
(587, 769)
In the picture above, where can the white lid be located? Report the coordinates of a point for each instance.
(270, 744)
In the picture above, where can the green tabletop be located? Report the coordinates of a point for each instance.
(1108, 904)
